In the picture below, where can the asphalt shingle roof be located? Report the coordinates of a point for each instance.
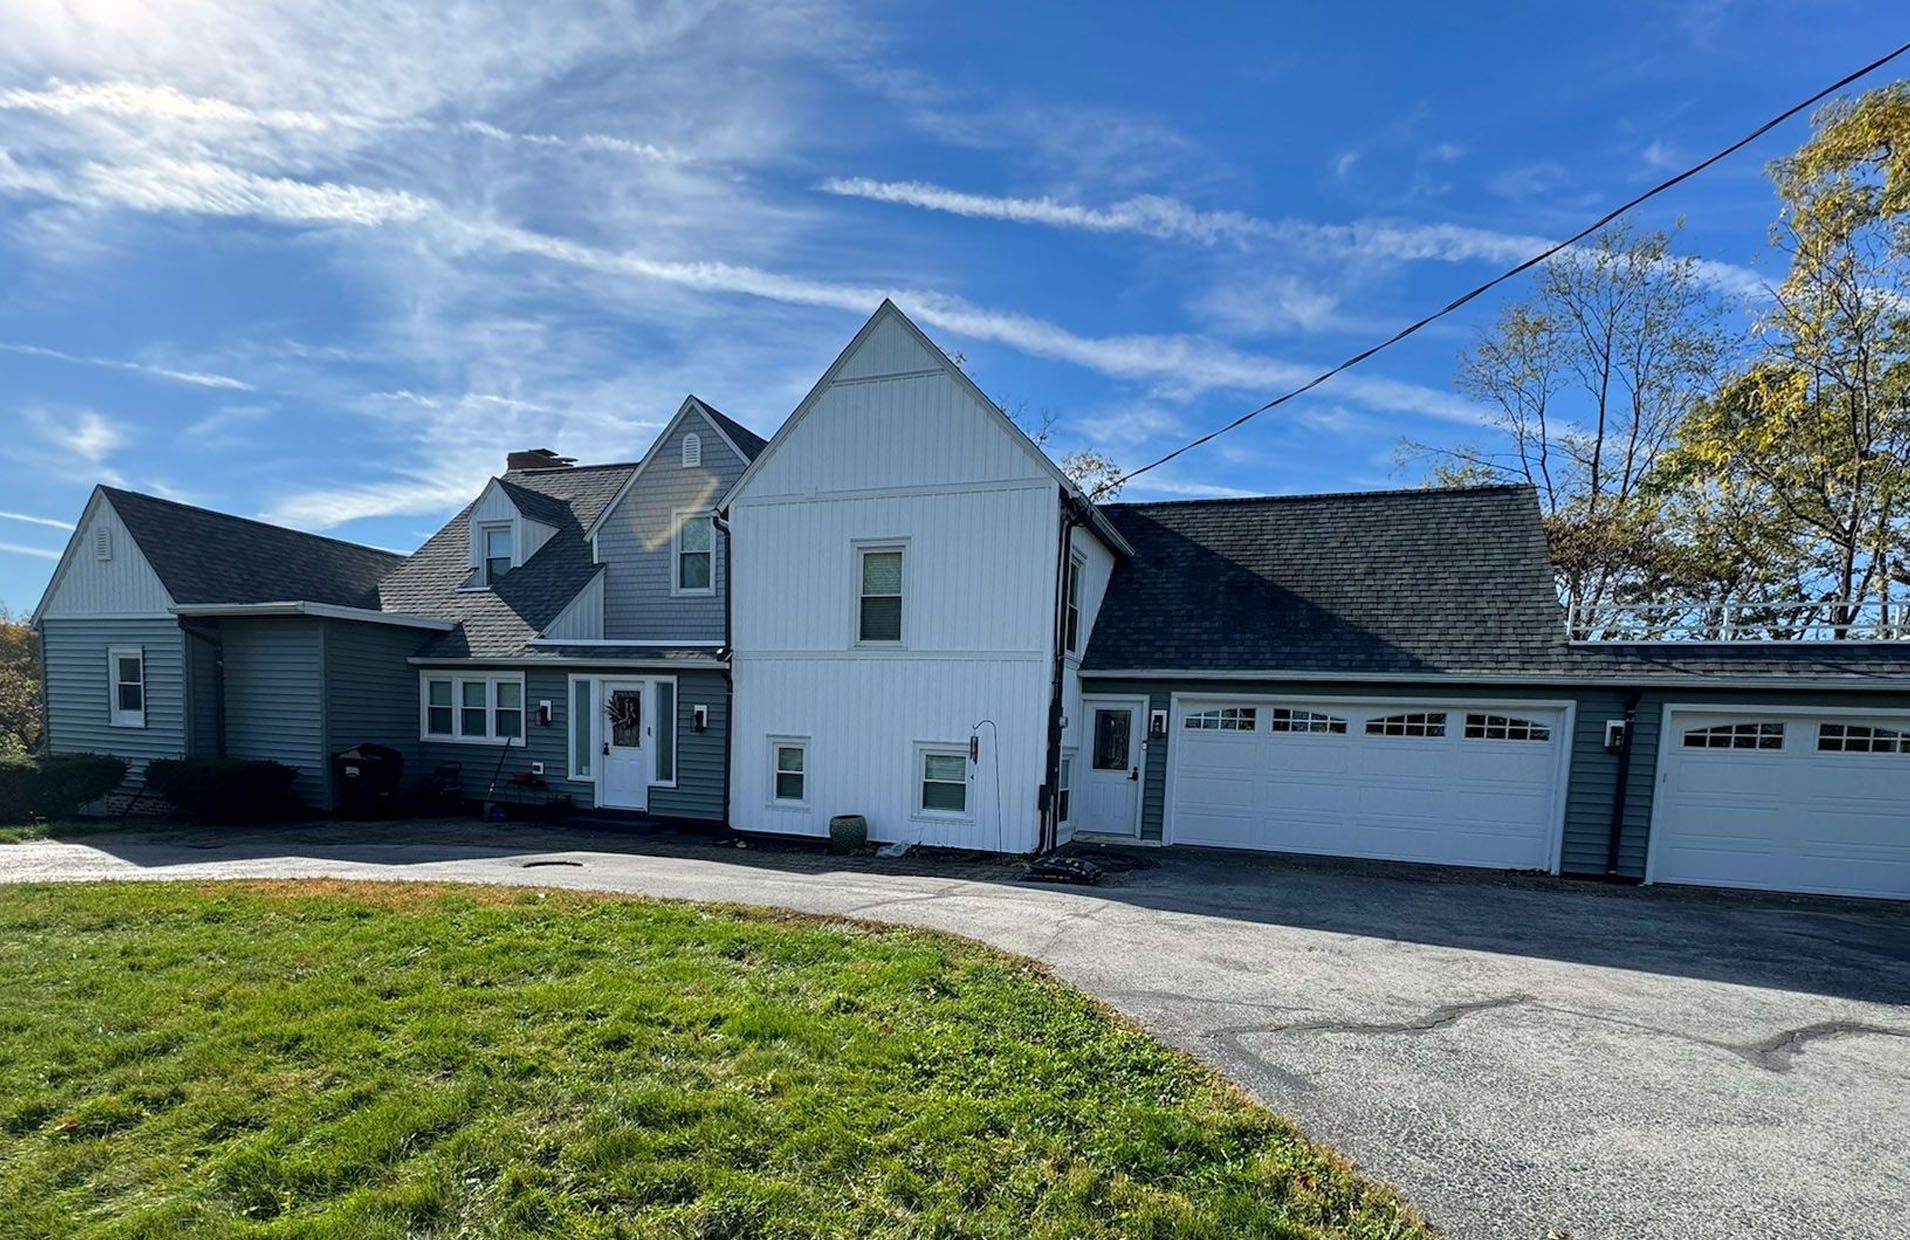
(213, 557)
(496, 623)
(1413, 582)
(1421, 583)
(747, 441)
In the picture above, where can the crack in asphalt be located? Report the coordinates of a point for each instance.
(1437, 1018)
(1775, 1053)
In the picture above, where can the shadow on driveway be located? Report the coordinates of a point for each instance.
(1843, 948)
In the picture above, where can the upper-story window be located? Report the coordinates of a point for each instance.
(695, 553)
(692, 449)
(879, 616)
(494, 547)
(1076, 567)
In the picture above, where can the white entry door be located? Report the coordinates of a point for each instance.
(624, 728)
(1108, 801)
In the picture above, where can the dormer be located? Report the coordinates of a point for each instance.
(503, 536)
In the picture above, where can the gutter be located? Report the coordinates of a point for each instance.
(519, 663)
(727, 653)
(1621, 785)
(328, 611)
(1050, 830)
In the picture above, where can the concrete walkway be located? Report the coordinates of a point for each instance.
(1517, 1055)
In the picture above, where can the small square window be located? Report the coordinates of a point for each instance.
(944, 782)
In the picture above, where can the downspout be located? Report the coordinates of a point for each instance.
(1622, 785)
(1050, 835)
(721, 520)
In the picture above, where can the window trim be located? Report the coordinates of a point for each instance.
(678, 520)
(875, 546)
(484, 531)
(115, 716)
(458, 680)
(776, 744)
(1071, 603)
(948, 749)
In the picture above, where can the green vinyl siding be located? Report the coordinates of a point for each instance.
(274, 698)
(77, 690)
(1591, 785)
(371, 690)
(700, 756)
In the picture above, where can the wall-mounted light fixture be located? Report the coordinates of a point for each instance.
(543, 713)
(1614, 734)
(1157, 723)
(699, 718)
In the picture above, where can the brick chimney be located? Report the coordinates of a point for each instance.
(538, 458)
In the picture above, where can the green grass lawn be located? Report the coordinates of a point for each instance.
(355, 1060)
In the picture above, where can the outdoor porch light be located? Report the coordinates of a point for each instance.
(699, 718)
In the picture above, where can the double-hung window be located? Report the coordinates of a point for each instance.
(879, 614)
(475, 709)
(695, 556)
(495, 548)
(791, 758)
(1072, 620)
(126, 672)
(944, 781)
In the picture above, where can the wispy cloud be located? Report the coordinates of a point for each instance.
(37, 552)
(49, 522)
(1173, 220)
(197, 378)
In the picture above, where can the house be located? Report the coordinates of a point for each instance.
(899, 608)
(562, 636)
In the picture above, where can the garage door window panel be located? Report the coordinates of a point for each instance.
(1505, 728)
(1285, 720)
(1750, 735)
(1222, 719)
(1418, 724)
(1861, 738)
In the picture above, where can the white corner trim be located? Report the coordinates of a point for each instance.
(328, 611)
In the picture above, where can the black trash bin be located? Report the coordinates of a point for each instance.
(366, 779)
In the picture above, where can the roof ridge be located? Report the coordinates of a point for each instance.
(572, 469)
(1388, 493)
(270, 525)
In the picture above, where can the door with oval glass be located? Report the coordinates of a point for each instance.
(625, 728)
(1109, 799)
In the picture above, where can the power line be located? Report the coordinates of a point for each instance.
(1507, 274)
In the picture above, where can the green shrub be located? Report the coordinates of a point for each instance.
(225, 789)
(55, 785)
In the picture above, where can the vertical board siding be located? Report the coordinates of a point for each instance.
(635, 542)
(583, 619)
(79, 693)
(371, 691)
(274, 697)
(699, 790)
(124, 585)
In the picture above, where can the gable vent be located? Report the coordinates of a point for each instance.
(102, 543)
(692, 449)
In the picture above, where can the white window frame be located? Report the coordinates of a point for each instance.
(692, 450)
(490, 681)
(676, 722)
(677, 521)
(484, 531)
(1071, 606)
(1064, 787)
(777, 743)
(923, 751)
(880, 546)
(588, 720)
(116, 717)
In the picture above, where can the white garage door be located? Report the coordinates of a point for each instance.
(1785, 802)
(1452, 783)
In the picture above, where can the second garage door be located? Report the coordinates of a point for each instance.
(1457, 784)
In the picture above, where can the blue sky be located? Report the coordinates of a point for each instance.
(325, 263)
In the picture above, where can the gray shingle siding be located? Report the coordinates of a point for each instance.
(274, 705)
(371, 690)
(78, 694)
(635, 543)
(1594, 770)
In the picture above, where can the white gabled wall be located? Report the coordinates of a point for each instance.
(122, 585)
(1097, 569)
(494, 507)
(895, 448)
(583, 620)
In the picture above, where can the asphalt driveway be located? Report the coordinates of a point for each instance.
(1518, 1055)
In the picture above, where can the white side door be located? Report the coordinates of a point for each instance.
(1107, 800)
(624, 728)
